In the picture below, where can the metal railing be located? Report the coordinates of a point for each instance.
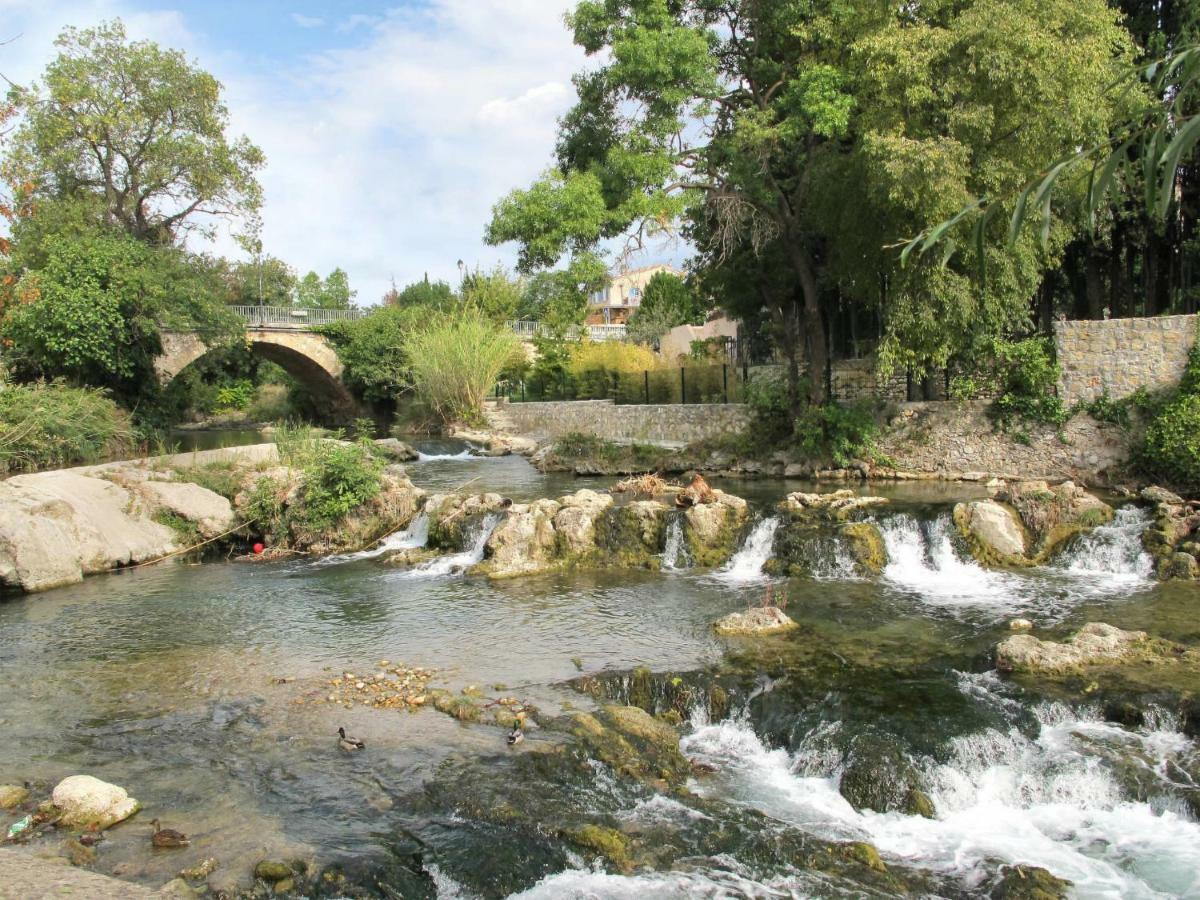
(293, 316)
(527, 329)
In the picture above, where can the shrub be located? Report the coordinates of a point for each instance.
(1171, 450)
(53, 424)
(599, 369)
(1027, 373)
(338, 479)
(271, 403)
(455, 363)
(235, 395)
(224, 478)
(841, 433)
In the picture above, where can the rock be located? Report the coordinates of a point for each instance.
(179, 889)
(866, 546)
(272, 870)
(12, 796)
(523, 543)
(632, 535)
(449, 514)
(634, 743)
(839, 505)
(878, 776)
(797, 470)
(1155, 494)
(283, 887)
(1051, 515)
(56, 527)
(200, 871)
(210, 512)
(1029, 883)
(576, 520)
(758, 620)
(865, 853)
(711, 529)
(397, 450)
(1095, 643)
(409, 556)
(1020, 625)
(1182, 567)
(993, 531)
(89, 802)
(77, 854)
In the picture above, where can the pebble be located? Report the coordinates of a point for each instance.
(1020, 625)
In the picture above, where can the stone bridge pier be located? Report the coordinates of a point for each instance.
(307, 357)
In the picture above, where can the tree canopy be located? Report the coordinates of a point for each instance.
(667, 301)
(139, 127)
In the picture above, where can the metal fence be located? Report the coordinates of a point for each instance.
(293, 316)
(685, 384)
(528, 329)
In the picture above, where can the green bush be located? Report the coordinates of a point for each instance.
(235, 395)
(52, 424)
(1026, 373)
(1171, 450)
(338, 479)
(841, 433)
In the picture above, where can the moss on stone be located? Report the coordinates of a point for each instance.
(862, 852)
(630, 537)
(866, 546)
(1029, 883)
(918, 803)
(608, 842)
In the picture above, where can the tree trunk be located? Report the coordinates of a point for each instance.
(1095, 284)
(813, 323)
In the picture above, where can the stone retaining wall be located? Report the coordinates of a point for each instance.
(1118, 356)
(950, 439)
(673, 424)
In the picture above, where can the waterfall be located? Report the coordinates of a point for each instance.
(747, 564)
(1059, 799)
(415, 535)
(459, 563)
(1114, 550)
(922, 559)
(442, 457)
(831, 561)
(675, 554)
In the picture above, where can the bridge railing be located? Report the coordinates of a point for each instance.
(527, 329)
(293, 316)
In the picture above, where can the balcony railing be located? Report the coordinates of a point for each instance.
(293, 316)
(526, 329)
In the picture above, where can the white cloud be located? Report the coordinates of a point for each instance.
(358, 20)
(307, 21)
(386, 156)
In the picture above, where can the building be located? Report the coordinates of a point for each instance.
(614, 304)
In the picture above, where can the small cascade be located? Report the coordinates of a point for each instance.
(922, 559)
(446, 457)
(1113, 551)
(459, 563)
(675, 553)
(747, 564)
(415, 535)
(831, 561)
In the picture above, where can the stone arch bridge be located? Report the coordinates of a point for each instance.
(282, 335)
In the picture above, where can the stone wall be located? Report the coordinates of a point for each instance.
(673, 424)
(1118, 356)
(855, 379)
(951, 439)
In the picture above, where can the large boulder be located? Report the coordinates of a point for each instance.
(450, 516)
(633, 535)
(757, 620)
(993, 532)
(397, 450)
(56, 527)
(876, 775)
(576, 520)
(1052, 515)
(211, 513)
(1095, 643)
(1173, 539)
(866, 547)
(524, 541)
(711, 529)
(87, 802)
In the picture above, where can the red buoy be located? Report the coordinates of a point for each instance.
(258, 549)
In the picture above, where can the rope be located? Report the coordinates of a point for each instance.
(150, 562)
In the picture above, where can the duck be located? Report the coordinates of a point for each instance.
(167, 837)
(349, 744)
(516, 735)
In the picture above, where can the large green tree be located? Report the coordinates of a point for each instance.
(810, 135)
(668, 301)
(139, 127)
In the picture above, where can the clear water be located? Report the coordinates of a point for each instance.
(170, 681)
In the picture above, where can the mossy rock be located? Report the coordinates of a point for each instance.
(12, 796)
(631, 536)
(879, 777)
(866, 546)
(984, 553)
(272, 870)
(862, 852)
(461, 707)
(633, 743)
(797, 543)
(1029, 883)
(607, 842)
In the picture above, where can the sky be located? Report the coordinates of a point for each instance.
(390, 129)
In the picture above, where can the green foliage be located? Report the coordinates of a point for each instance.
(495, 294)
(331, 293)
(338, 479)
(434, 296)
(1171, 449)
(266, 281)
(667, 301)
(558, 299)
(596, 367)
(187, 531)
(456, 360)
(840, 433)
(1112, 412)
(44, 425)
(372, 350)
(224, 478)
(1026, 374)
(138, 127)
(768, 402)
(235, 395)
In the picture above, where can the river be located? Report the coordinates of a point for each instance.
(198, 688)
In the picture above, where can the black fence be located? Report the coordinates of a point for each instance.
(686, 384)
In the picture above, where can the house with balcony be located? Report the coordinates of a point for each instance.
(614, 304)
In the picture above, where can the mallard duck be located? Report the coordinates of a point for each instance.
(349, 744)
(167, 837)
(516, 735)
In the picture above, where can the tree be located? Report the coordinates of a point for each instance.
(798, 132)
(141, 128)
(436, 295)
(267, 281)
(495, 294)
(557, 300)
(336, 293)
(372, 350)
(667, 302)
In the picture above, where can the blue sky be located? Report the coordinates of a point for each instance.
(390, 129)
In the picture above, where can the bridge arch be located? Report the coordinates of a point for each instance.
(307, 357)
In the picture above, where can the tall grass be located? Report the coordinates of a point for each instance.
(455, 363)
(52, 424)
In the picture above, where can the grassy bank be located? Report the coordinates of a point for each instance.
(51, 424)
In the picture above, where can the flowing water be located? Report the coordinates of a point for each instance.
(202, 689)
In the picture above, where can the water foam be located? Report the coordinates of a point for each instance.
(458, 563)
(415, 535)
(747, 564)
(675, 555)
(1113, 551)
(1052, 800)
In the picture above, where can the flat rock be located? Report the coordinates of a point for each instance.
(209, 511)
(86, 801)
(755, 621)
(1095, 643)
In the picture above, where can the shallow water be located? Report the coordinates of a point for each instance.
(166, 680)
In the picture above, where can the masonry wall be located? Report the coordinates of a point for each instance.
(670, 424)
(1118, 356)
